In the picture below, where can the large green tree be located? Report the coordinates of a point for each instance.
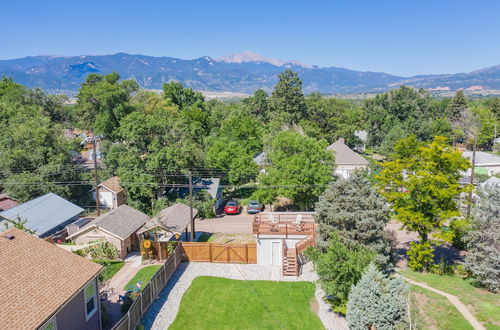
(355, 211)
(301, 169)
(287, 101)
(421, 181)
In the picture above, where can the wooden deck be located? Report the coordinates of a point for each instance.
(284, 223)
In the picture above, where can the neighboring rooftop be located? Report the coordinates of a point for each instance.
(491, 181)
(37, 278)
(44, 213)
(6, 202)
(120, 222)
(261, 159)
(344, 155)
(112, 184)
(174, 218)
(482, 158)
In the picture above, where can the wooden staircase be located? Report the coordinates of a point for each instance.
(290, 262)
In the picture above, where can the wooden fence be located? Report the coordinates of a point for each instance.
(141, 304)
(219, 252)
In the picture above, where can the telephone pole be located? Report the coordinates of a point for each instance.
(190, 177)
(96, 178)
(474, 147)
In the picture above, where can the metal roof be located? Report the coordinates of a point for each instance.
(44, 214)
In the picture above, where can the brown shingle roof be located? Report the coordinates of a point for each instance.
(345, 156)
(37, 278)
(174, 218)
(112, 184)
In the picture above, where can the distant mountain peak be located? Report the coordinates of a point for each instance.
(249, 56)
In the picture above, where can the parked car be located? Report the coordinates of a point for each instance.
(254, 207)
(232, 207)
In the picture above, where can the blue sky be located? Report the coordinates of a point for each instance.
(400, 37)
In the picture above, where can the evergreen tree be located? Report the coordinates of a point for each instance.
(287, 101)
(457, 106)
(377, 301)
(483, 257)
(357, 213)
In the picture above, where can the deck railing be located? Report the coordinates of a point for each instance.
(284, 223)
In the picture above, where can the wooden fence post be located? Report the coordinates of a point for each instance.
(246, 253)
(228, 253)
(210, 251)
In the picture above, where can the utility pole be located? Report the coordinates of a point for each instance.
(474, 147)
(96, 178)
(190, 177)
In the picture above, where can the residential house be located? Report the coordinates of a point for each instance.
(489, 162)
(262, 161)
(45, 215)
(211, 185)
(46, 287)
(6, 202)
(346, 160)
(168, 223)
(117, 227)
(111, 193)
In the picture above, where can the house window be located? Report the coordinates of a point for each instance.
(90, 300)
(50, 325)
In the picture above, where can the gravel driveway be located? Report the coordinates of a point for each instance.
(163, 311)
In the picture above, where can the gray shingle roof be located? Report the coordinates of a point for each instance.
(45, 213)
(121, 222)
(482, 158)
(261, 159)
(345, 156)
(174, 218)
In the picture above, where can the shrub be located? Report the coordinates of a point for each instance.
(377, 301)
(420, 256)
(102, 250)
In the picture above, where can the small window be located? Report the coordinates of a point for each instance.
(90, 300)
(50, 325)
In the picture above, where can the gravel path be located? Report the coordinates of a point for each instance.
(163, 311)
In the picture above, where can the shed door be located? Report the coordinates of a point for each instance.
(276, 255)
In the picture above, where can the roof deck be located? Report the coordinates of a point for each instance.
(284, 223)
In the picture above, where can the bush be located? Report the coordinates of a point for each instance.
(102, 250)
(377, 301)
(339, 268)
(420, 256)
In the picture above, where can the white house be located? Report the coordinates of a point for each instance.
(346, 160)
(490, 162)
(111, 193)
(282, 237)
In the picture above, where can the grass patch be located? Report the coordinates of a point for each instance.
(483, 304)
(144, 275)
(436, 312)
(219, 303)
(111, 267)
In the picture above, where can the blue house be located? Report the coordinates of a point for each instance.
(45, 215)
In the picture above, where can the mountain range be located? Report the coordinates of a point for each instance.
(244, 73)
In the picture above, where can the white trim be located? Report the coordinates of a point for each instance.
(85, 301)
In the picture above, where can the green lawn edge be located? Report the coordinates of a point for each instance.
(144, 275)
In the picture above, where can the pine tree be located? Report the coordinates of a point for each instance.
(457, 106)
(377, 301)
(287, 101)
(483, 240)
(358, 214)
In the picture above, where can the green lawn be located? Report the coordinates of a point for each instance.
(483, 304)
(218, 303)
(144, 274)
(111, 267)
(435, 311)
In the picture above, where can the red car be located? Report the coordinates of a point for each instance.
(232, 207)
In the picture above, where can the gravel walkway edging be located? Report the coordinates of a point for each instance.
(164, 309)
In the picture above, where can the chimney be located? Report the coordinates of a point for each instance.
(342, 140)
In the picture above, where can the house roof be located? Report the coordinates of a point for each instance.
(37, 278)
(345, 156)
(112, 184)
(44, 213)
(491, 181)
(482, 158)
(261, 159)
(6, 202)
(209, 184)
(174, 218)
(120, 222)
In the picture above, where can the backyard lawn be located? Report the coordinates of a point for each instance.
(433, 311)
(483, 304)
(219, 303)
(111, 267)
(144, 275)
